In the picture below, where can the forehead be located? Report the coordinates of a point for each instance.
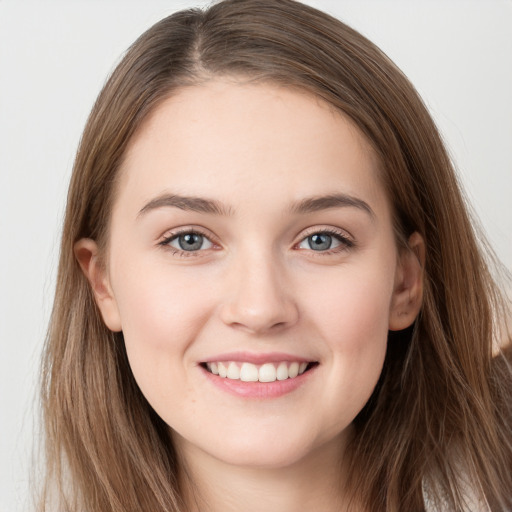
(233, 140)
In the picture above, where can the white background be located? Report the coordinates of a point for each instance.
(54, 57)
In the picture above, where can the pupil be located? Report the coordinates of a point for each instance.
(190, 242)
(320, 242)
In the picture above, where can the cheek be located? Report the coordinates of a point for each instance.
(352, 317)
(352, 307)
(161, 315)
(160, 306)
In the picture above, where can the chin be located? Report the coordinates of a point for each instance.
(273, 451)
(268, 457)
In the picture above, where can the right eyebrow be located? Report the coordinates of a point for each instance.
(188, 203)
(318, 203)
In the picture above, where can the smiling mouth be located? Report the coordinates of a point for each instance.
(267, 372)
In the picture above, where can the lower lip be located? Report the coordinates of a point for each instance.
(258, 390)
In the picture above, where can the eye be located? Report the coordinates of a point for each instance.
(319, 242)
(189, 241)
(324, 241)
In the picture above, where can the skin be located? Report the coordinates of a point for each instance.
(256, 286)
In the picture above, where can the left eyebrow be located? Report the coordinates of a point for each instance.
(187, 203)
(318, 203)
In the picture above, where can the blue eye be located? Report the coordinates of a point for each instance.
(189, 242)
(320, 242)
(325, 241)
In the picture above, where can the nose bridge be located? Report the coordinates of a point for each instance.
(258, 298)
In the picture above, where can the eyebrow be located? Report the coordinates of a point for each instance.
(211, 206)
(187, 203)
(314, 204)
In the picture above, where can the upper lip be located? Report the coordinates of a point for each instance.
(257, 358)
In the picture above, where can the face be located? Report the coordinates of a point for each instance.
(253, 270)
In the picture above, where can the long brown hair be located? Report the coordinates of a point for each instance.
(439, 418)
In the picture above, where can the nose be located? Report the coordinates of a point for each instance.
(258, 298)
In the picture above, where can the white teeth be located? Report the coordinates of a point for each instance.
(267, 373)
(293, 371)
(282, 371)
(233, 371)
(248, 372)
(223, 371)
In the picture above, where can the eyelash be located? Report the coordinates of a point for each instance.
(165, 243)
(346, 243)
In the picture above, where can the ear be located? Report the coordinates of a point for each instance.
(408, 290)
(87, 255)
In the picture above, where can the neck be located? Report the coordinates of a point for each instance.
(312, 483)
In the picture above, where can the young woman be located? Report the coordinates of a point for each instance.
(270, 295)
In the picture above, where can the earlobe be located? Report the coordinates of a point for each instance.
(87, 255)
(408, 291)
